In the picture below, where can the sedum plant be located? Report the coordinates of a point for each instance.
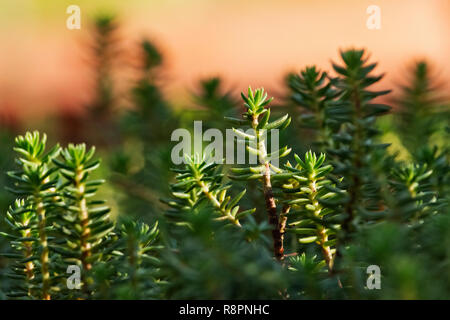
(438, 161)
(330, 214)
(83, 221)
(257, 118)
(150, 116)
(56, 222)
(422, 109)
(104, 50)
(312, 91)
(302, 207)
(201, 181)
(316, 204)
(146, 130)
(35, 186)
(412, 179)
(23, 240)
(356, 142)
(213, 261)
(421, 125)
(138, 267)
(342, 112)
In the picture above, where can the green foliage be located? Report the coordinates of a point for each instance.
(137, 266)
(420, 120)
(318, 221)
(56, 222)
(422, 108)
(84, 222)
(150, 117)
(211, 261)
(411, 180)
(355, 142)
(215, 103)
(315, 202)
(342, 113)
(438, 161)
(35, 183)
(141, 164)
(104, 50)
(413, 265)
(257, 117)
(313, 92)
(201, 181)
(23, 238)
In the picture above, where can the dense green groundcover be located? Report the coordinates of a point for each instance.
(341, 199)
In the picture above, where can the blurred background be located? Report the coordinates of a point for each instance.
(44, 69)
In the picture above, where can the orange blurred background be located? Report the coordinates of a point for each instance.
(43, 64)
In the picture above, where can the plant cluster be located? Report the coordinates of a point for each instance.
(57, 222)
(303, 221)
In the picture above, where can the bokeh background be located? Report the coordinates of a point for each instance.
(43, 65)
(139, 69)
